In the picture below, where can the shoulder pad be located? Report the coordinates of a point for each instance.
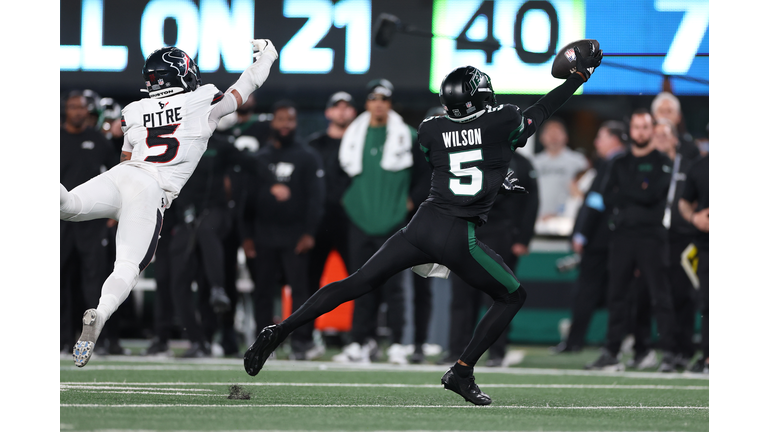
(206, 93)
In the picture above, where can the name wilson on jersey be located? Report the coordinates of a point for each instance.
(462, 138)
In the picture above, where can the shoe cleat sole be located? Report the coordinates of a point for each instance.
(85, 346)
(82, 352)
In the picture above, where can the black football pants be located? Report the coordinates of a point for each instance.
(466, 302)
(430, 237)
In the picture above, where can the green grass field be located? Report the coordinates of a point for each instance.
(543, 393)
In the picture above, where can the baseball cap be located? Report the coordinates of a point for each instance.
(380, 87)
(339, 97)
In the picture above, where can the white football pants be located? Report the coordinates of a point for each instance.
(133, 197)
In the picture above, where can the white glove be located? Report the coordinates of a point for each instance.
(262, 47)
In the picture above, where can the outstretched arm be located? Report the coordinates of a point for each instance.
(550, 102)
(252, 78)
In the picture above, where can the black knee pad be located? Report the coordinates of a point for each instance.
(522, 293)
(516, 297)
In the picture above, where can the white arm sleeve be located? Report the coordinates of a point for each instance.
(254, 76)
(227, 105)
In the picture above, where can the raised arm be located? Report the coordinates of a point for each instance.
(252, 78)
(550, 102)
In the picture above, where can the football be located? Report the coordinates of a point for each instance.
(564, 63)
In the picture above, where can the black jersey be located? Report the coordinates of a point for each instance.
(470, 159)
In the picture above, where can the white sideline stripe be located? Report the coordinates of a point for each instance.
(69, 427)
(150, 393)
(106, 385)
(110, 386)
(385, 406)
(221, 364)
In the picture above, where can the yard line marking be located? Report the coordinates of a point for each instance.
(383, 406)
(430, 386)
(129, 386)
(70, 427)
(150, 393)
(291, 365)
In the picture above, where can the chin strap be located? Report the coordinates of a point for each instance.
(468, 118)
(170, 91)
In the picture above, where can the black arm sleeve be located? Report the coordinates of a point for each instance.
(528, 221)
(530, 206)
(552, 101)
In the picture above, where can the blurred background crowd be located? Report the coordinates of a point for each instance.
(234, 257)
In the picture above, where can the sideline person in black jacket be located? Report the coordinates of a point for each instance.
(279, 234)
(635, 196)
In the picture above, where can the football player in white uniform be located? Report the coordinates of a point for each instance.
(165, 136)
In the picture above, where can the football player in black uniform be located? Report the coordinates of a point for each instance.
(469, 150)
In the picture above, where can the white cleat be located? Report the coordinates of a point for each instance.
(84, 347)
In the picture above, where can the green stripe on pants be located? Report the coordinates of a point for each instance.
(488, 263)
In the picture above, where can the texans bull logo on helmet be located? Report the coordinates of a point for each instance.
(180, 63)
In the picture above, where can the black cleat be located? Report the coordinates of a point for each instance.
(258, 353)
(465, 387)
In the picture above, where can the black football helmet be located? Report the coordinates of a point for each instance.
(170, 71)
(465, 92)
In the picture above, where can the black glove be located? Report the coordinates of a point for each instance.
(509, 185)
(586, 66)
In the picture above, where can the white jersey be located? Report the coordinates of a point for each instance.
(168, 136)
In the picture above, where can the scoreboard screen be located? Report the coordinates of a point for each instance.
(328, 45)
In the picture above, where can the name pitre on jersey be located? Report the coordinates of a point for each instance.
(168, 136)
(471, 159)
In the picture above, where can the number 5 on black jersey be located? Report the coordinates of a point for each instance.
(475, 184)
